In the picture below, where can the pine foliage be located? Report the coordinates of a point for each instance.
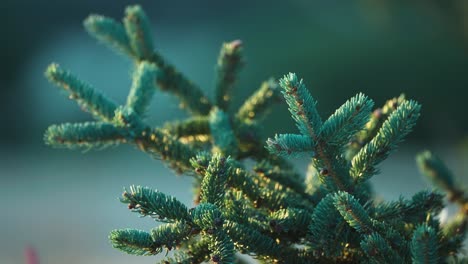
(271, 211)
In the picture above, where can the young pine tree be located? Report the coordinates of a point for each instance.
(271, 212)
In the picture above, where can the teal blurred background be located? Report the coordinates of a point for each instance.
(64, 203)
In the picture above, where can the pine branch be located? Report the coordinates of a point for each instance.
(207, 216)
(143, 87)
(198, 125)
(301, 105)
(378, 250)
(437, 172)
(287, 177)
(353, 212)
(224, 139)
(85, 135)
(271, 213)
(292, 221)
(170, 235)
(109, 32)
(155, 142)
(86, 96)
(249, 240)
(377, 118)
(213, 186)
(392, 132)
(222, 248)
(148, 202)
(290, 145)
(258, 104)
(134, 39)
(327, 226)
(134, 242)
(424, 245)
(138, 31)
(346, 121)
(303, 111)
(229, 64)
(410, 211)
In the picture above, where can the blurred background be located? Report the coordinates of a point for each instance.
(64, 203)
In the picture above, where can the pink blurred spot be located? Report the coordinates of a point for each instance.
(30, 256)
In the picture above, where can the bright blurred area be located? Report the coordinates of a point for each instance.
(64, 203)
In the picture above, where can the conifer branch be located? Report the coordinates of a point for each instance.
(134, 242)
(378, 250)
(143, 87)
(207, 216)
(248, 240)
(424, 248)
(109, 32)
(291, 220)
(258, 104)
(148, 202)
(134, 39)
(287, 145)
(301, 105)
(377, 118)
(287, 177)
(224, 139)
(303, 111)
(410, 211)
(164, 146)
(392, 132)
(138, 31)
(346, 121)
(213, 186)
(353, 212)
(155, 142)
(86, 96)
(190, 95)
(229, 64)
(170, 235)
(326, 225)
(437, 172)
(197, 125)
(271, 213)
(85, 135)
(222, 248)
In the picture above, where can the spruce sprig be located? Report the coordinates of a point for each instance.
(271, 211)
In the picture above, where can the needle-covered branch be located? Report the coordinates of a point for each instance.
(301, 105)
(229, 64)
(248, 200)
(110, 32)
(138, 31)
(213, 186)
(143, 87)
(258, 104)
(85, 135)
(392, 132)
(290, 145)
(424, 245)
(134, 242)
(224, 139)
(86, 96)
(148, 202)
(437, 172)
(347, 120)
